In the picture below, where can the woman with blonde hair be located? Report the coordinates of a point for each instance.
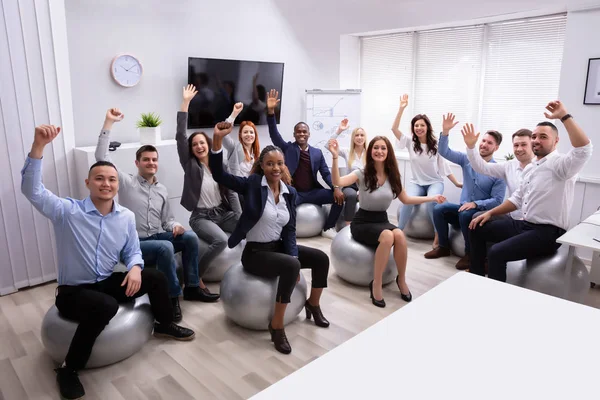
(355, 157)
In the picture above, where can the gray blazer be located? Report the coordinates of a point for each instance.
(193, 173)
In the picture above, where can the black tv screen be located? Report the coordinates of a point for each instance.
(222, 83)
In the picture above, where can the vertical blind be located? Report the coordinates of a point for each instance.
(497, 76)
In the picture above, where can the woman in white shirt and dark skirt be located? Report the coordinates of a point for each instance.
(268, 223)
(379, 183)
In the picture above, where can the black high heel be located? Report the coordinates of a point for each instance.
(280, 340)
(406, 297)
(320, 319)
(378, 303)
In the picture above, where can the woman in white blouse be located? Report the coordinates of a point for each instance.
(355, 158)
(428, 168)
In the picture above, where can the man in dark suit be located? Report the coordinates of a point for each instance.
(303, 162)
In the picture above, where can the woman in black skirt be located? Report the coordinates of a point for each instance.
(379, 183)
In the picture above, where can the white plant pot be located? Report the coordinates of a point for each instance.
(149, 135)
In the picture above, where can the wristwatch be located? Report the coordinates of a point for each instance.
(566, 117)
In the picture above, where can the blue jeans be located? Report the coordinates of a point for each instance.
(160, 249)
(412, 189)
(447, 213)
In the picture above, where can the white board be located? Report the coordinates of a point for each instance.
(324, 111)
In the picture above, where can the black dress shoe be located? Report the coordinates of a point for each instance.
(320, 319)
(173, 331)
(406, 297)
(280, 340)
(176, 309)
(68, 383)
(197, 294)
(378, 303)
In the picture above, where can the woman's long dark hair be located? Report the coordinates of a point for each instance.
(430, 139)
(257, 168)
(390, 168)
(222, 189)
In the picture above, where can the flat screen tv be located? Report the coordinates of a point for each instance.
(222, 83)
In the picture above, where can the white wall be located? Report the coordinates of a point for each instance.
(163, 35)
(34, 89)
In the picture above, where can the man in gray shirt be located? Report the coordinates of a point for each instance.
(160, 235)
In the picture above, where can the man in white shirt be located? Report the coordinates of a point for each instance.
(512, 171)
(545, 197)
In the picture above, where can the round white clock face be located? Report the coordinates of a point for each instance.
(126, 70)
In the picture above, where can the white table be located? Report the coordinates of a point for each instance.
(583, 236)
(468, 338)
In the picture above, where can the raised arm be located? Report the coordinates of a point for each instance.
(336, 179)
(46, 202)
(272, 101)
(228, 141)
(215, 161)
(341, 128)
(189, 92)
(479, 164)
(396, 124)
(444, 149)
(102, 154)
(574, 161)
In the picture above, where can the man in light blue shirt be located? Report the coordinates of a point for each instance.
(92, 235)
(479, 193)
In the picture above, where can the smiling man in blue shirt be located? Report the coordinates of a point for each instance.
(92, 235)
(479, 193)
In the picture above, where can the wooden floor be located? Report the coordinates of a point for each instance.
(223, 362)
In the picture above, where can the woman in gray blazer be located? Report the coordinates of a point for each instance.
(215, 209)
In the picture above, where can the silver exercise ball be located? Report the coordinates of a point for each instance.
(457, 242)
(419, 225)
(341, 222)
(310, 220)
(124, 335)
(221, 263)
(249, 300)
(547, 275)
(354, 262)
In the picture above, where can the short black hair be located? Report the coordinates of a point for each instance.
(550, 124)
(301, 123)
(145, 149)
(496, 135)
(102, 164)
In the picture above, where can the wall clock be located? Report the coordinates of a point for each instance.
(126, 70)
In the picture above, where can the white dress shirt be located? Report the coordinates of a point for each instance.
(426, 169)
(273, 219)
(545, 195)
(210, 195)
(511, 171)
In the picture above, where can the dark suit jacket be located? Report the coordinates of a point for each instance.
(255, 198)
(193, 172)
(291, 151)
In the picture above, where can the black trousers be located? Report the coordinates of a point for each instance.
(513, 240)
(94, 305)
(269, 261)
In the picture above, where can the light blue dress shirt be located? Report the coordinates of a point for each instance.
(89, 245)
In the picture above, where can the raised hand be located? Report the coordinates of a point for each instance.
(557, 110)
(189, 92)
(439, 198)
(333, 147)
(404, 101)
(114, 115)
(343, 125)
(272, 100)
(448, 123)
(44, 134)
(469, 136)
(222, 129)
(237, 108)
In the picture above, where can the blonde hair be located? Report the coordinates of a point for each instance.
(363, 158)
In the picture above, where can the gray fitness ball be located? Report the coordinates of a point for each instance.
(124, 335)
(547, 275)
(222, 262)
(249, 300)
(419, 224)
(310, 220)
(354, 262)
(457, 242)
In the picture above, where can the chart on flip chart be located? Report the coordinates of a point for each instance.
(325, 109)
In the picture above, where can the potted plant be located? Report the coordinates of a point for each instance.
(149, 128)
(509, 156)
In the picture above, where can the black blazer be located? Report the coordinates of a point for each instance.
(255, 198)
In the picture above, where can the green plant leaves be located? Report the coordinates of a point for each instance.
(149, 120)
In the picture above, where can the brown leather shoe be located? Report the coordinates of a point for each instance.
(438, 252)
(464, 263)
